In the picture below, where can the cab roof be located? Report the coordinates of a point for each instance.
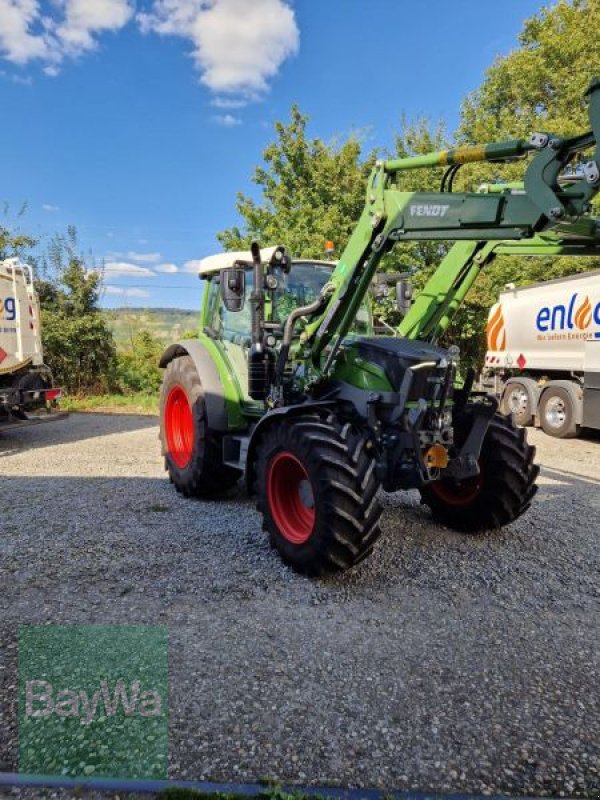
(210, 265)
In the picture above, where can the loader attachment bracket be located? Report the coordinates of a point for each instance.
(466, 463)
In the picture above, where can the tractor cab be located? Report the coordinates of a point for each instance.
(227, 303)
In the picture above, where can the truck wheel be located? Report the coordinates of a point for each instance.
(192, 451)
(557, 413)
(501, 492)
(517, 401)
(316, 489)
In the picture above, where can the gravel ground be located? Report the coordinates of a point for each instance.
(444, 662)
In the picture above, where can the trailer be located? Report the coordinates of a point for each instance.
(27, 392)
(543, 356)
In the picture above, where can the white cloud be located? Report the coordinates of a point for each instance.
(228, 102)
(144, 258)
(27, 33)
(170, 268)
(192, 266)
(82, 19)
(18, 41)
(50, 207)
(227, 120)
(238, 46)
(114, 268)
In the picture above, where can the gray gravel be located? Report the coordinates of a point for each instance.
(444, 662)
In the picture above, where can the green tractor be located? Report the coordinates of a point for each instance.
(288, 387)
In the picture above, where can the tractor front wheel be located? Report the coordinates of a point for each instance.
(501, 492)
(316, 489)
(192, 451)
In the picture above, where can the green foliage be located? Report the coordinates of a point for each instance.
(141, 403)
(537, 87)
(137, 367)
(191, 334)
(312, 192)
(12, 241)
(79, 350)
(78, 345)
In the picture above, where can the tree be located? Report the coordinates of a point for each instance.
(538, 86)
(13, 242)
(78, 345)
(138, 369)
(312, 192)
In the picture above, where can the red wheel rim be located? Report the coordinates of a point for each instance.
(179, 427)
(459, 493)
(290, 497)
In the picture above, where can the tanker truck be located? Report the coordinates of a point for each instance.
(27, 393)
(543, 354)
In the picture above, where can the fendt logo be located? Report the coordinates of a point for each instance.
(426, 210)
(496, 331)
(569, 316)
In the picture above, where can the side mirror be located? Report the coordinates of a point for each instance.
(233, 288)
(404, 295)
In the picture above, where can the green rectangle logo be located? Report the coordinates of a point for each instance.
(93, 700)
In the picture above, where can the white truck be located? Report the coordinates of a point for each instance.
(26, 386)
(543, 356)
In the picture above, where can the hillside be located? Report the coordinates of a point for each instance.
(166, 324)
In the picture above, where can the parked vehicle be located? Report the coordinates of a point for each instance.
(280, 387)
(26, 386)
(543, 355)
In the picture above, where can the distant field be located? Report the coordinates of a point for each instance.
(167, 324)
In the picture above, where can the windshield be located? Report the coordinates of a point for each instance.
(298, 288)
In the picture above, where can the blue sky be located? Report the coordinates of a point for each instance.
(138, 123)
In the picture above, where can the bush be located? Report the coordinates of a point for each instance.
(79, 350)
(137, 368)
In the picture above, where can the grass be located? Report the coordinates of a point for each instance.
(112, 403)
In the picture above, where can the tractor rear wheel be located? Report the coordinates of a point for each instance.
(316, 489)
(501, 492)
(192, 451)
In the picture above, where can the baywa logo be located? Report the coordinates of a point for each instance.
(93, 700)
(42, 700)
(574, 315)
(496, 331)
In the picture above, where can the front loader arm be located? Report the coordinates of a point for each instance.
(470, 218)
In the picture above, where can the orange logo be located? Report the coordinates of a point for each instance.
(496, 333)
(583, 315)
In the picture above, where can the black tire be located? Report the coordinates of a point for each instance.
(501, 492)
(192, 451)
(557, 413)
(516, 400)
(34, 381)
(341, 525)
